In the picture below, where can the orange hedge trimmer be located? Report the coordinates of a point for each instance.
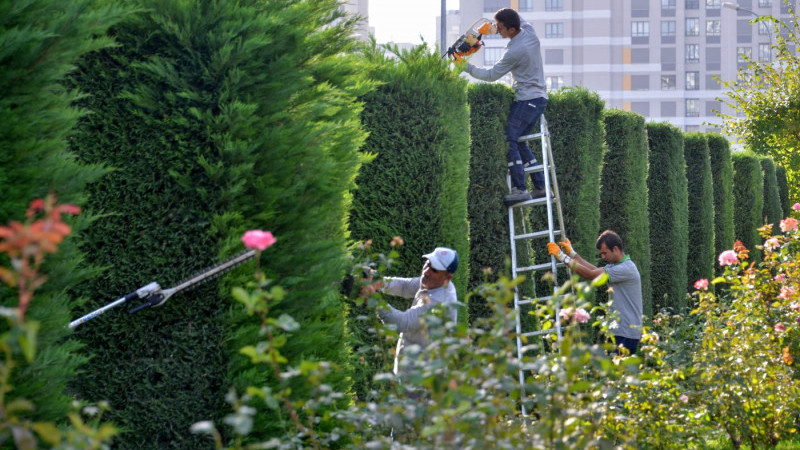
(470, 42)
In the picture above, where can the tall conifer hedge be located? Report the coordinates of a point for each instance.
(773, 212)
(783, 190)
(701, 209)
(668, 204)
(39, 45)
(623, 195)
(748, 195)
(218, 116)
(722, 180)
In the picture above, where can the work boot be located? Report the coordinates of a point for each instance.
(539, 193)
(517, 195)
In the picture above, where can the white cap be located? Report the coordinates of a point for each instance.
(443, 258)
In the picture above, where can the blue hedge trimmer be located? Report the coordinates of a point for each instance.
(154, 296)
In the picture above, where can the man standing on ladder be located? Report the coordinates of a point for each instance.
(523, 58)
(623, 280)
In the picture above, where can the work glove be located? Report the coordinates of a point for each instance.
(553, 249)
(567, 246)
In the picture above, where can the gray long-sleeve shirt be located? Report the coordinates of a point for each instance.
(523, 58)
(410, 323)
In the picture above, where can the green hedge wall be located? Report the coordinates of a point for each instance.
(38, 48)
(722, 180)
(623, 195)
(773, 211)
(218, 117)
(783, 190)
(668, 205)
(748, 195)
(701, 209)
(488, 216)
(416, 187)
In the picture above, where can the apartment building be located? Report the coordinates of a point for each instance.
(658, 58)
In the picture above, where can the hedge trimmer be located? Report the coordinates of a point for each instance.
(470, 42)
(154, 296)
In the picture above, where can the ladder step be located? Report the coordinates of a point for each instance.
(538, 267)
(536, 168)
(537, 234)
(529, 137)
(536, 201)
(539, 333)
(527, 301)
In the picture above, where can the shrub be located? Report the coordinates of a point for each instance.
(218, 117)
(773, 210)
(701, 208)
(748, 194)
(722, 180)
(39, 44)
(623, 197)
(783, 189)
(668, 211)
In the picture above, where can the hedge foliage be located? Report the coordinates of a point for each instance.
(722, 180)
(39, 44)
(218, 116)
(783, 190)
(668, 206)
(623, 196)
(701, 254)
(748, 195)
(416, 187)
(773, 211)
(488, 216)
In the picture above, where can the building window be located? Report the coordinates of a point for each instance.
(491, 55)
(667, 28)
(693, 128)
(692, 107)
(554, 30)
(765, 3)
(667, 4)
(713, 107)
(668, 82)
(744, 55)
(668, 109)
(554, 83)
(692, 26)
(494, 5)
(525, 5)
(692, 81)
(692, 4)
(640, 29)
(713, 27)
(640, 82)
(763, 28)
(713, 4)
(763, 52)
(554, 5)
(692, 53)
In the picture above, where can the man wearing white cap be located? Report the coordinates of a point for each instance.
(431, 288)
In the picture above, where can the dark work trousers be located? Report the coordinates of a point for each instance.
(522, 116)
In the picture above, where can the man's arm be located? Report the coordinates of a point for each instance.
(502, 67)
(577, 264)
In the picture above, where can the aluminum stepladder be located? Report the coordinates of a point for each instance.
(550, 200)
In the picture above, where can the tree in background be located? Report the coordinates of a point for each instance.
(39, 44)
(773, 212)
(748, 195)
(701, 254)
(766, 103)
(722, 181)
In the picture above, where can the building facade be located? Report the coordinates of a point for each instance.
(663, 59)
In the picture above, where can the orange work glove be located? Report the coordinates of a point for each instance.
(567, 246)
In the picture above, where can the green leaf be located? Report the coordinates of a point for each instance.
(601, 280)
(48, 433)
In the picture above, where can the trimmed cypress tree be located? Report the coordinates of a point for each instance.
(668, 204)
(701, 208)
(748, 200)
(219, 116)
(623, 195)
(416, 187)
(783, 190)
(772, 212)
(722, 180)
(38, 48)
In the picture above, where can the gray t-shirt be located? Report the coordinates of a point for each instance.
(523, 58)
(626, 283)
(410, 322)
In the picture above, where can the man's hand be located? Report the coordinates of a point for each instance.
(567, 246)
(368, 289)
(553, 249)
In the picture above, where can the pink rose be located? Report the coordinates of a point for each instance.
(581, 316)
(701, 284)
(795, 306)
(772, 243)
(789, 224)
(787, 293)
(779, 327)
(780, 278)
(684, 398)
(727, 258)
(258, 240)
(796, 207)
(565, 314)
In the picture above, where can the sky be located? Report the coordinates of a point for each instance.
(405, 20)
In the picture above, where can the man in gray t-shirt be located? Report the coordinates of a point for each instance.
(523, 58)
(433, 287)
(623, 279)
